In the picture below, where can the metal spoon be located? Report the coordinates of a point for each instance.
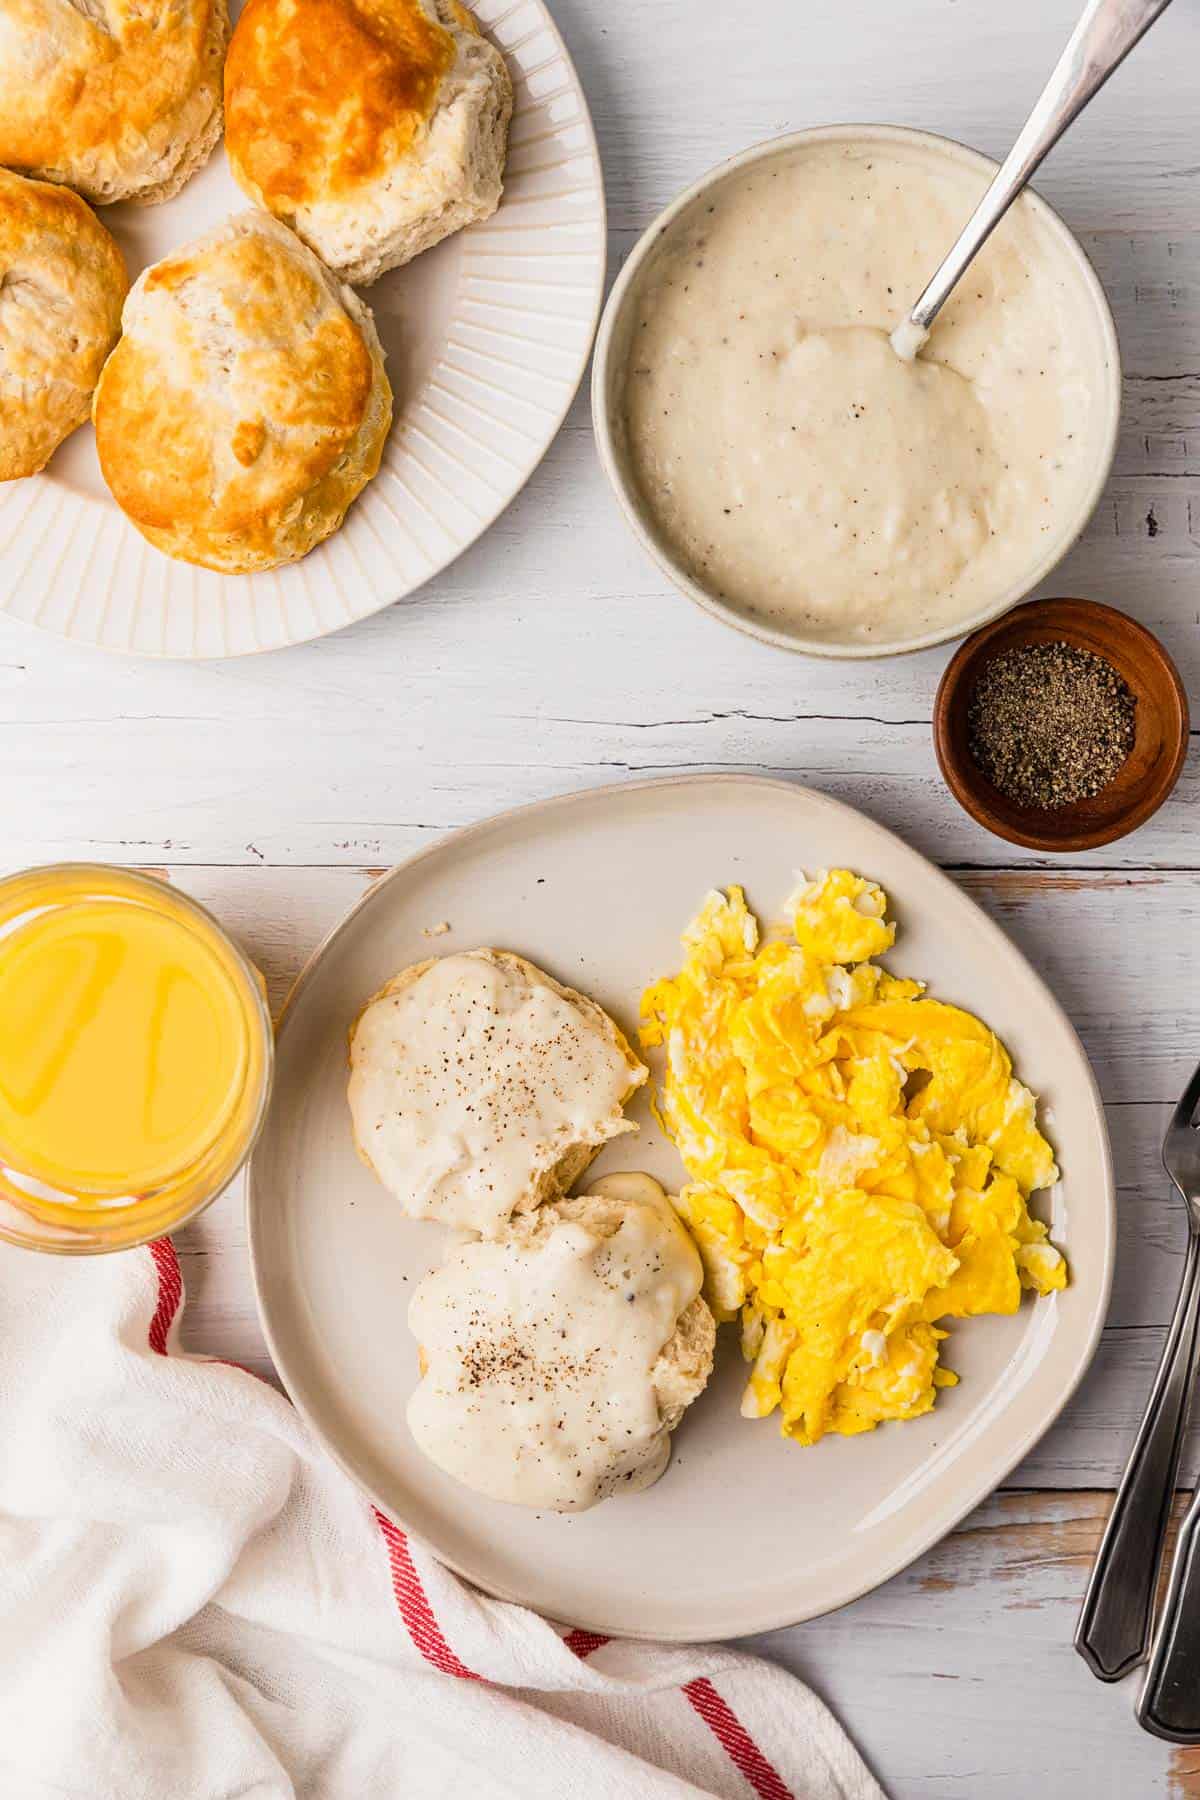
(1114, 1626)
(1103, 38)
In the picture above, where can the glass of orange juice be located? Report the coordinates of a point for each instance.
(135, 1058)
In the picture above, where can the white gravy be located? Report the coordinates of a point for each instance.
(539, 1349)
(470, 1081)
(798, 466)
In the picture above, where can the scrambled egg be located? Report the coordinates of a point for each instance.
(861, 1157)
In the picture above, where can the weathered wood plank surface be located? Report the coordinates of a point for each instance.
(982, 1694)
(553, 656)
(555, 631)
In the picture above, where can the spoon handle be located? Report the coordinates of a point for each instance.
(1169, 1703)
(1103, 37)
(1115, 1623)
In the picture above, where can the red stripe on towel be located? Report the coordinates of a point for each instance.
(736, 1741)
(418, 1616)
(411, 1598)
(414, 1606)
(170, 1293)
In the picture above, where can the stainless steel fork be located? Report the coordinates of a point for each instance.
(1115, 1625)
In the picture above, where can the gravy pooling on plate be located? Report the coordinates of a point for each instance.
(799, 468)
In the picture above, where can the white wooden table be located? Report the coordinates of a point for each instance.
(553, 656)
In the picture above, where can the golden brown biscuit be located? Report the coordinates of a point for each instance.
(120, 99)
(246, 404)
(374, 128)
(62, 281)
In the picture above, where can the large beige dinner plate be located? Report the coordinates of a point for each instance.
(487, 337)
(745, 1531)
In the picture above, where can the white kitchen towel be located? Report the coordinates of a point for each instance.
(195, 1604)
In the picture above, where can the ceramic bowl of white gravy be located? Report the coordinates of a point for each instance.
(783, 466)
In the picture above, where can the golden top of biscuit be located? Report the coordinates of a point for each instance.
(111, 96)
(229, 416)
(323, 95)
(62, 281)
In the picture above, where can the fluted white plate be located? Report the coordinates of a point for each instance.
(487, 337)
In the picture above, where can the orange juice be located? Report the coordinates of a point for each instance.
(135, 1057)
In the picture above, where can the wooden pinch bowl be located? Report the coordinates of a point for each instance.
(1161, 729)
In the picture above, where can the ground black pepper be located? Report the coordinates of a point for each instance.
(1049, 724)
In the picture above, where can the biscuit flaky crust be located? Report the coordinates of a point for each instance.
(373, 128)
(246, 404)
(119, 99)
(62, 281)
